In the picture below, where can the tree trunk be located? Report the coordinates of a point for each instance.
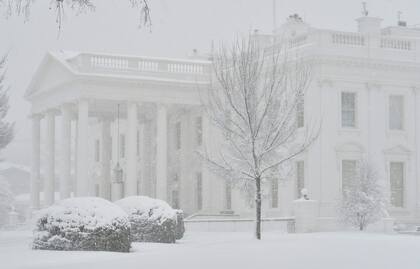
(258, 209)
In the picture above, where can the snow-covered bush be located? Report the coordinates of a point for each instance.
(363, 200)
(86, 223)
(152, 220)
(180, 228)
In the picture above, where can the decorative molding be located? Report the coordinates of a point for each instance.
(325, 82)
(397, 150)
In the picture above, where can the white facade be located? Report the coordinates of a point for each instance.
(365, 89)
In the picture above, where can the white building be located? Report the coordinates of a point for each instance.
(365, 88)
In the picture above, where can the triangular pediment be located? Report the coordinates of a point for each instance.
(50, 73)
(399, 149)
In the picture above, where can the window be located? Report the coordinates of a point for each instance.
(396, 112)
(300, 177)
(300, 110)
(175, 199)
(199, 130)
(138, 143)
(111, 147)
(228, 194)
(275, 193)
(397, 183)
(178, 135)
(97, 150)
(199, 191)
(122, 145)
(348, 173)
(348, 109)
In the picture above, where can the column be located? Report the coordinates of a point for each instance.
(66, 151)
(82, 149)
(206, 173)
(36, 161)
(50, 167)
(131, 176)
(105, 185)
(417, 142)
(161, 152)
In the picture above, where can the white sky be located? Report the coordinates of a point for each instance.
(178, 27)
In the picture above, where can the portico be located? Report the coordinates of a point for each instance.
(93, 112)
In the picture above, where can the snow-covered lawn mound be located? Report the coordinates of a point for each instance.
(152, 220)
(85, 223)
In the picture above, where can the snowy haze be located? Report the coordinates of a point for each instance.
(179, 26)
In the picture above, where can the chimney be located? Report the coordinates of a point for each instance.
(369, 25)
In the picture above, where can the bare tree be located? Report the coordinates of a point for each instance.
(23, 7)
(6, 136)
(6, 128)
(363, 201)
(255, 104)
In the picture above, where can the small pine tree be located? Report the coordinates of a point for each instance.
(6, 135)
(363, 200)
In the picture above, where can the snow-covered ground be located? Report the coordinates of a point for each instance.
(229, 250)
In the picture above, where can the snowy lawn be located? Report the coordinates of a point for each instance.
(229, 250)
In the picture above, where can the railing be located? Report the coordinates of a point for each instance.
(298, 41)
(399, 44)
(144, 66)
(348, 39)
(286, 224)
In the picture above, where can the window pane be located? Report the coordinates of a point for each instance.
(138, 142)
(397, 183)
(97, 150)
(199, 191)
(348, 173)
(300, 178)
(300, 114)
(396, 112)
(122, 146)
(228, 194)
(175, 199)
(199, 130)
(348, 109)
(274, 193)
(178, 135)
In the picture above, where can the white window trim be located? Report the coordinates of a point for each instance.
(395, 132)
(356, 112)
(399, 154)
(349, 151)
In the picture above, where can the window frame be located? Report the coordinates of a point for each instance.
(356, 162)
(299, 164)
(178, 132)
(199, 190)
(404, 183)
(355, 111)
(403, 112)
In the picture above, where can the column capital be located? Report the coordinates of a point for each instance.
(66, 106)
(162, 106)
(36, 116)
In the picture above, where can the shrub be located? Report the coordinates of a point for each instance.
(152, 220)
(180, 228)
(86, 223)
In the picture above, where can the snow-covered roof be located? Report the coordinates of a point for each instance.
(64, 66)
